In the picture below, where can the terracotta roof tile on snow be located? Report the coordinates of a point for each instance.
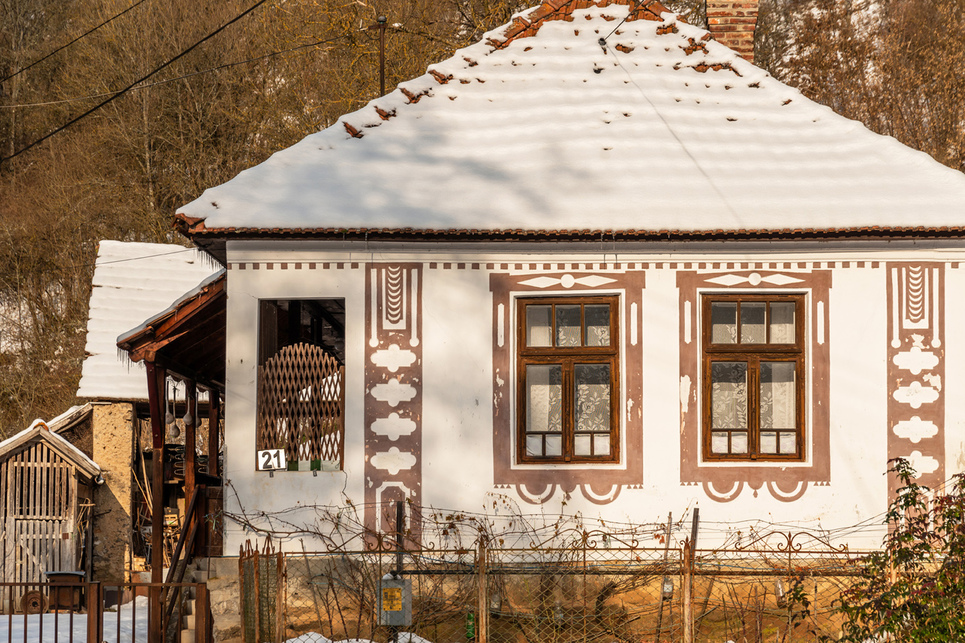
(610, 113)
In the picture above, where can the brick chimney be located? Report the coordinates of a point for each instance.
(732, 23)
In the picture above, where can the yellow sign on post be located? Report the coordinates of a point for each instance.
(392, 599)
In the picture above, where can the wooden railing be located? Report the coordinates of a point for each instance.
(77, 612)
(172, 595)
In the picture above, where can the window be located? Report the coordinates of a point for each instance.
(753, 377)
(301, 358)
(568, 369)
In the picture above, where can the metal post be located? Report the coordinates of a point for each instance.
(399, 535)
(666, 552)
(693, 530)
(399, 548)
(686, 602)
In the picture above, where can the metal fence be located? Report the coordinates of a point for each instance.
(779, 587)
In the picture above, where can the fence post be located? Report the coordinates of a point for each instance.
(666, 553)
(686, 594)
(202, 618)
(95, 612)
(482, 591)
(280, 594)
(257, 601)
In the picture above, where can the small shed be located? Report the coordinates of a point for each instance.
(46, 490)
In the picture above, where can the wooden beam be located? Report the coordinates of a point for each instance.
(157, 394)
(214, 432)
(190, 443)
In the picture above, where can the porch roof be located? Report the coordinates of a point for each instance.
(188, 338)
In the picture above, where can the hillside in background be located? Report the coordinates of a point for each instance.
(227, 83)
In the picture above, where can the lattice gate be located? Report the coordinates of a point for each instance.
(38, 497)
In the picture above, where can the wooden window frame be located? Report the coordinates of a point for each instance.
(568, 358)
(753, 355)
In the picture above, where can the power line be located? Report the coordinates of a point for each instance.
(136, 82)
(176, 78)
(61, 48)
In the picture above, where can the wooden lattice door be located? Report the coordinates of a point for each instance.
(301, 407)
(39, 490)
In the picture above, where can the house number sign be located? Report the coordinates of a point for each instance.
(271, 459)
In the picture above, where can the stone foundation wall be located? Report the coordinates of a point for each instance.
(113, 426)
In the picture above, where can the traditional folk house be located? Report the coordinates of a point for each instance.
(597, 263)
(47, 487)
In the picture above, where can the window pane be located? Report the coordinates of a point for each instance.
(788, 443)
(782, 323)
(554, 445)
(778, 401)
(592, 382)
(723, 322)
(752, 322)
(718, 443)
(597, 325)
(601, 444)
(738, 442)
(534, 445)
(567, 325)
(539, 325)
(728, 395)
(544, 397)
(581, 444)
(769, 442)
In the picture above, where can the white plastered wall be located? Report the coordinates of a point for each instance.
(457, 392)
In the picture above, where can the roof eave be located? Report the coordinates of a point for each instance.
(213, 240)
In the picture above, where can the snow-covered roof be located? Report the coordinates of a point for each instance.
(132, 282)
(70, 418)
(601, 118)
(40, 431)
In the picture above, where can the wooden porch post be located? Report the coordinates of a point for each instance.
(214, 434)
(190, 442)
(157, 393)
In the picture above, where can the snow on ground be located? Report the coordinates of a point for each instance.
(65, 627)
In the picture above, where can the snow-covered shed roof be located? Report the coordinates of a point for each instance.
(585, 117)
(132, 282)
(40, 432)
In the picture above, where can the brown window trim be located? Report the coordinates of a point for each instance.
(568, 358)
(753, 355)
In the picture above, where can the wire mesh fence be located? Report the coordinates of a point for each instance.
(597, 588)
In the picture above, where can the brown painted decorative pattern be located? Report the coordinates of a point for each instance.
(916, 369)
(536, 484)
(393, 392)
(784, 481)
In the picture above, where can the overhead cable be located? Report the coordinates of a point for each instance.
(140, 80)
(176, 78)
(62, 47)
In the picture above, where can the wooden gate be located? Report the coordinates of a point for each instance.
(38, 495)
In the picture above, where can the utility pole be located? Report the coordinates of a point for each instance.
(380, 23)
